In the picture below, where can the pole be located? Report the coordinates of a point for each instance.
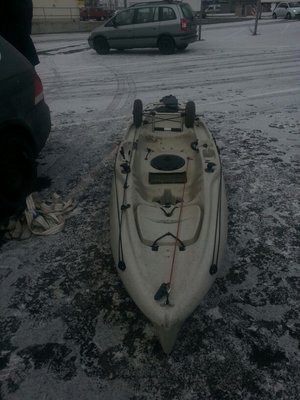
(257, 14)
(200, 21)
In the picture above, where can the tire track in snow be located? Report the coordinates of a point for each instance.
(124, 93)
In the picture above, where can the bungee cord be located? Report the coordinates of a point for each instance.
(124, 206)
(216, 250)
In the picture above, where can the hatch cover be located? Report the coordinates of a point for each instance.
(167, 162)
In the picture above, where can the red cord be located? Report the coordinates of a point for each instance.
(178, 226)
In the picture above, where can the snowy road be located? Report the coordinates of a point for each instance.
(68, 329)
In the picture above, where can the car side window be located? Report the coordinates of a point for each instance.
(124, 17)
(167, 14)
(146, 14)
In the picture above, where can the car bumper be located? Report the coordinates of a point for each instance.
(186, 39)
(40, 124)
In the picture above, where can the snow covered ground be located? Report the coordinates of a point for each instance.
(68, 329)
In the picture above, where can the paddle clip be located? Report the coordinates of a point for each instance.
(125, 168)
(122, 265)
(194, 146)
(210, 167)
(148, 152)
(213, 269)
(122, 152)
(163, 291)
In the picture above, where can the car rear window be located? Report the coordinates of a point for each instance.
(187, 11)
(166, 14)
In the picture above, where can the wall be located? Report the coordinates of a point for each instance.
(56, 3)
(55, 10)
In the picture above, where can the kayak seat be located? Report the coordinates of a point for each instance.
(153, 221)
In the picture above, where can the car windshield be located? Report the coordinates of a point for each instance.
(291, 5)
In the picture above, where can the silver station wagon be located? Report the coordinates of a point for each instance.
(168, 25)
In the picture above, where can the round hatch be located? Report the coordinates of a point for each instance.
(167, 162)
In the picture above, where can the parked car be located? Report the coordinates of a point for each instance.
(168, 25)
(213, 8)
(96, 13)
(24, 127)
(287, 10)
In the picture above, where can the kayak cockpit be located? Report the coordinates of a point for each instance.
(154, 221)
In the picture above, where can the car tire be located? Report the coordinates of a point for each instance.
(274, 16)
(182, 47)
(101, 45)
(137, 113)
(166, 45)
(190, 114)
(288, 16)
(18, 173)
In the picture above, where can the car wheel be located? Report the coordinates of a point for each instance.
(101, 46)
(18, 174)
(182, 47)
(137, 113)
(190, 114)
(288, 16)
(274, 16)
(166, 45)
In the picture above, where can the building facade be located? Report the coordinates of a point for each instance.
(56, 9)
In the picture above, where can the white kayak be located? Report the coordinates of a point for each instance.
(168, 213)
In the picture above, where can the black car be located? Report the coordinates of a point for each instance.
(24, 128)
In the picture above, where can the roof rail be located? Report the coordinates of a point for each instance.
(155, 2)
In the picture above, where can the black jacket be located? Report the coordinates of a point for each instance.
(15, 26)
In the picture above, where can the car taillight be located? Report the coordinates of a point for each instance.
(38, 90)
(183, 24)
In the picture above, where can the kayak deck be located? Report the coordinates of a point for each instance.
(168, 200)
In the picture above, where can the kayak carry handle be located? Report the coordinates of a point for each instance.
(155, 246)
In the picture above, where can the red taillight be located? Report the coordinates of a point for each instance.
(183, 24)
(38, 90)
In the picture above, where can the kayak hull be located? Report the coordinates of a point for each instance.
(168, 217)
